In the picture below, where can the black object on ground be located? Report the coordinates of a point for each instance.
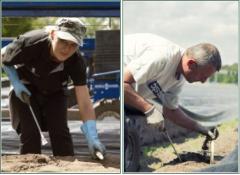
(132, 151)
(191, 156)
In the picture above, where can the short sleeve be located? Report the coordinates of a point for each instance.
(146, 66)
(76, 68)
(15, 52)
(25, 48)
(170, 98)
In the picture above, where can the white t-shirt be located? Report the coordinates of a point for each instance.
(153, 62)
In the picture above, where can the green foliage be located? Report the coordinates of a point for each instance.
(13, 27)
(94, 24)
(147, 151)
(228, 74)
(3, 74)
(229, 124)
(189, 144)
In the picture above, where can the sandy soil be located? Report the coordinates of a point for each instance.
(44, 163)
(159, 159)
(155, 159)
(80, 163)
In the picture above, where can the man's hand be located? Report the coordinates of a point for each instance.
(155, 117)
(20, 90)
(212, 134)
(94, 145)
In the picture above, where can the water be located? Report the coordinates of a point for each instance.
(210, 98)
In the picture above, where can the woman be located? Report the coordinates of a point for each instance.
(39, 64)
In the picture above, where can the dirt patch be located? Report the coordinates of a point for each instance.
(162, 158)
(45, 163)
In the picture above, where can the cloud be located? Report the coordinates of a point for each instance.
(187, 23)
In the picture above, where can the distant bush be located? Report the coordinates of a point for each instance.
(228, 74)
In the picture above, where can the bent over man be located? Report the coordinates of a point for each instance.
(155, 68)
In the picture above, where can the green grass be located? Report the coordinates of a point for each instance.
(229, 124)
(194, 142)
(3, 74)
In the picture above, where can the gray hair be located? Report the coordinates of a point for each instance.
(205, 53)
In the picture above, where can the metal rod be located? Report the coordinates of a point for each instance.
(170, 140)
(43, 139)
(99, 155)
(211, 152)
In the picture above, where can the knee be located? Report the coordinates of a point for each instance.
(30, 136)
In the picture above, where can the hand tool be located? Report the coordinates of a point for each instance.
(208, 150)
(170, 140)
(27, 100)
(99, 155)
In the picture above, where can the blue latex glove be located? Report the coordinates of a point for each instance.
(89, 130)
(20, 90)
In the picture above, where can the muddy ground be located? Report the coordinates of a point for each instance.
(162, 158)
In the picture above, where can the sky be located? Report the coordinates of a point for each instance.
(187, 23)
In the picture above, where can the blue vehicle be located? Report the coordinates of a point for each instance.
(106, 93)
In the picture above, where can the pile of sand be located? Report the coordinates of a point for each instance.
(45, 163)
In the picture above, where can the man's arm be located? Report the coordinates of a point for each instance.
(84, 103)
(131, 97)
(178, 117)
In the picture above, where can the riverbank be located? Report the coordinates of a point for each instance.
(162, 158)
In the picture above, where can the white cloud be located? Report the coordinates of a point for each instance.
(187, 22)
(221, 29)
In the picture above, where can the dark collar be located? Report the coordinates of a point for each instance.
(177, 75)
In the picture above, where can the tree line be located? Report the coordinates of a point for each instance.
(13, 27)
(228, 74)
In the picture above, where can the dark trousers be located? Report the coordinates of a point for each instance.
(51, 113)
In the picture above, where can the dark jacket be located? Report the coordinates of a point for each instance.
(30, 53)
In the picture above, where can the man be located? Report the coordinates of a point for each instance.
(157, 68)
(38, 64)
